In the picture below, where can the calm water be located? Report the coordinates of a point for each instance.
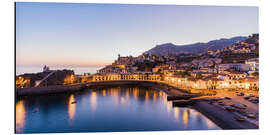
(77, 70)
(111, 109)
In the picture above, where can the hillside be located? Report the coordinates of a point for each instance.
(170, 48)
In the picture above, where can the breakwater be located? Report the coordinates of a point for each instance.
(170, 90)
(47, 90)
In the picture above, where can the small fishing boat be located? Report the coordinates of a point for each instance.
(73, 102)
(36, 110)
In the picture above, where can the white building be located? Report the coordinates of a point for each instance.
(239, 67)
(253, 63)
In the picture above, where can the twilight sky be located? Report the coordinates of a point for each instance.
(61, 34)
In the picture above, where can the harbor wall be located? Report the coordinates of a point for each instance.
(76, 87)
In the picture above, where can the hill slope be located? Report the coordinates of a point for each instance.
(169, 48)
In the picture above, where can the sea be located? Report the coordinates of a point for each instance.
(77, 70)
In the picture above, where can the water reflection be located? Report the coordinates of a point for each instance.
(176, 113)
(210, 124)
(20, 116)
(154, 96)
(71, 108)
(104, 93)
(146, 97)
(115, 94)
(123, 100)
(185, 118)
(93, 101)
(169, 107)
(190, 111)
(160, 93)
(135, 93)
(127, 95)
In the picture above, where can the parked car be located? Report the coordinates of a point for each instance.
(240, 94)
(240, 106)
(220, 103)
(239, 118)
(251, 115)
(229, 108)
(255, 101)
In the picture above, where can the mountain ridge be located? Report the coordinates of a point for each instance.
(199, 47)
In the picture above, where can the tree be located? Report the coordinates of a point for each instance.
(255, 74)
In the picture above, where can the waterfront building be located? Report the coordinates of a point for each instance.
(84, 78)
(106, 77)
(214, 81)
(236, 75)
(253, 63)
(252, 83)
(145, 76)
(22, 82)
(70, 79)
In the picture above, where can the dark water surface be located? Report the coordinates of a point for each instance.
(110, 109)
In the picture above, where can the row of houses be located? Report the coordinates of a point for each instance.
(214, 82)
(147, 76)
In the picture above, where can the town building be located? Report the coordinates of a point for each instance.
(46, 68)
(253, 63)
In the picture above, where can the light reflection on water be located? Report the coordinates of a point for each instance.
(146, 96)
(20, 116)
(93, 101)
(176, 113)
(185, 117)
(155, 96)
(71, 108)
(109, 109)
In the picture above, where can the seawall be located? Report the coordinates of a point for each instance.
(76, 87)
(47, 90)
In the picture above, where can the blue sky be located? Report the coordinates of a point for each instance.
(60, 34)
